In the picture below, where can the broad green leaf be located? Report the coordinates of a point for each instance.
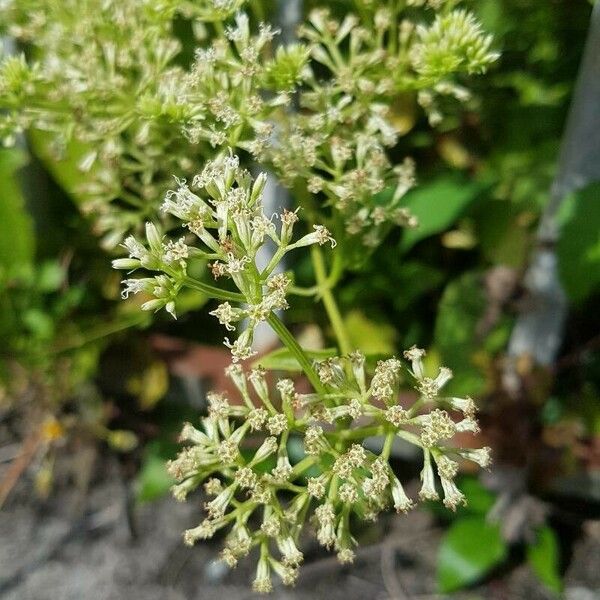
(479, 501)
(579, 243)
(469, 550)
(376, 286)
(544, 557)
(414, 279)
(371, 337)
(437, 205)
(283, 360)
(460, 309)
(17, 242)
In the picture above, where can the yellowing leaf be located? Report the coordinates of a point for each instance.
(371, 337)
(151, 385)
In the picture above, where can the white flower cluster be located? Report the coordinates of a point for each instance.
(337, 145)
(224, 214)
(223, 94)
(333, 423)
(429, 422)
(346, 76)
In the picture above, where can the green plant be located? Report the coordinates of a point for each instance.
(130, 109)
(343, 409)
(113, 87)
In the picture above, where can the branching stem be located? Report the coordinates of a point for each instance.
(329, 302)
(292, 345)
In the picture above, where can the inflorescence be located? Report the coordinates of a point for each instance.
(264, 499)
(323, 115)
(226, 218)
(138, 111)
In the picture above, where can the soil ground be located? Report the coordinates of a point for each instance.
(98, 546)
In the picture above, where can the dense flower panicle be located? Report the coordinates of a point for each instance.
(236, 93)
(454, 41)
(349, 165)
(230, 459)
(79, 87)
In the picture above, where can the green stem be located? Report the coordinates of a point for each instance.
(331, 307)
(409, 437)
(332, 279)
(333, 487)
(219, 29)
(103, 331)
(304, 464)
(211, 291)
(387, 445)
(276, 258)
(359, 433)
(292, 345)
(269, 406)
(258, 10)
(302, 291)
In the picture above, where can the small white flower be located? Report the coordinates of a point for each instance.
(428, 491)
(481, 456)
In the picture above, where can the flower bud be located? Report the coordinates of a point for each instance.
(258, 188)
(268, 447)
(154, 238)
(126, 264)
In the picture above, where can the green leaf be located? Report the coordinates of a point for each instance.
(414, 279)
(460, 309)
(283, 360)
(579, 244)
(502, 240)
(39, 323)
(153, 480)
(51, 275)
(437, 205)
(370, 336)
(544, 558)
(65, 171)
(17, 242)
(479, 499)
(469, 550)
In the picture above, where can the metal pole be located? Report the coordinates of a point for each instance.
(539, 327)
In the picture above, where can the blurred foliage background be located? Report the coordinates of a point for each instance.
(81, 366)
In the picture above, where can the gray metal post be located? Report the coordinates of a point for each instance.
(539, 327)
